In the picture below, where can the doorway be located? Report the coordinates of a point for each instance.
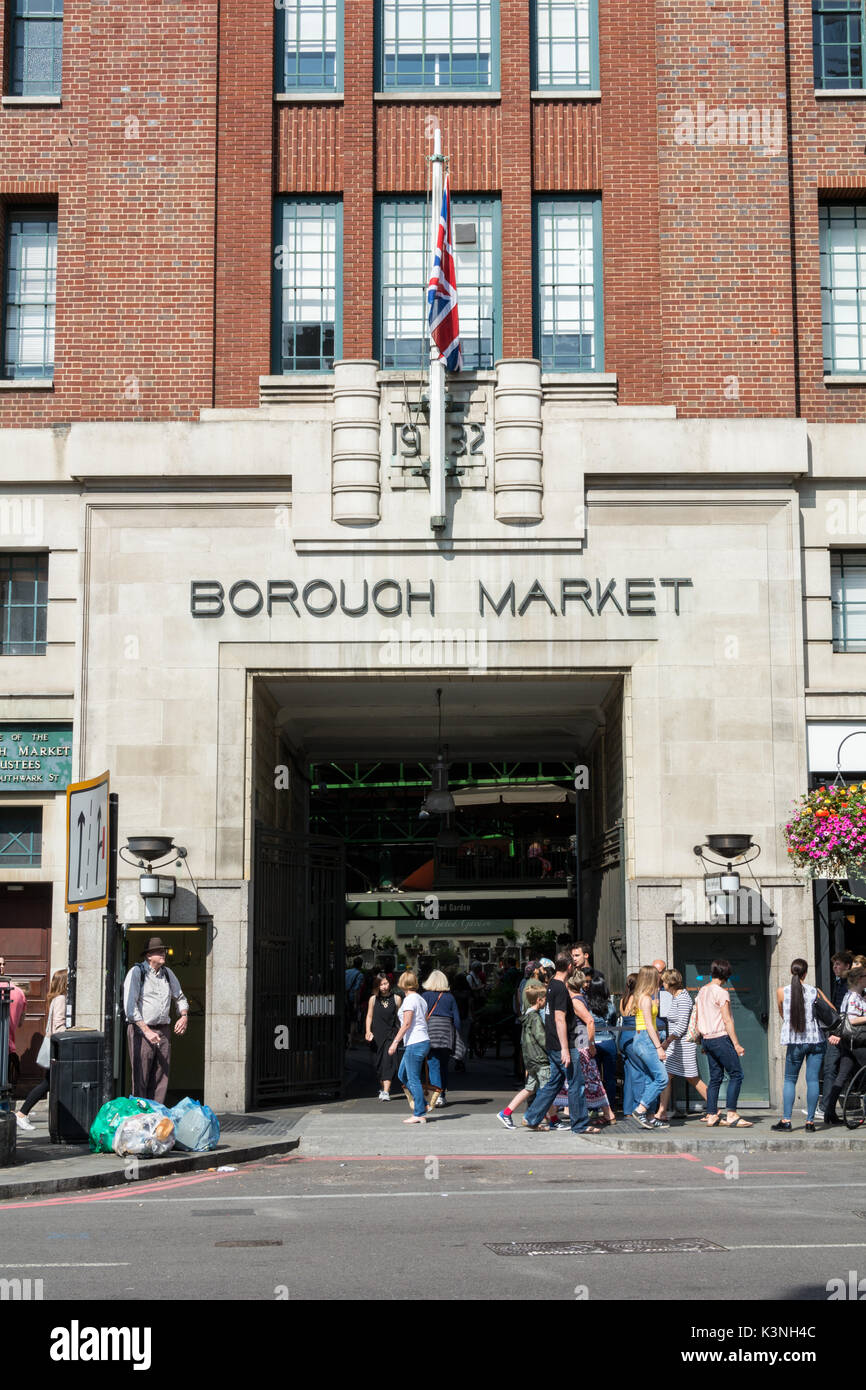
(186, 956)
(694, 952)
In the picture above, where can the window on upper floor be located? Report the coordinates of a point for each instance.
(404, 262)
(837, 43)
(439, 43)
(308, 266)
(565, 47)
(568, 311)
(23, 603)
(843, 286)
(309, 46)
(36, 54)
(29, 290)
(20, 837)
(848, 593)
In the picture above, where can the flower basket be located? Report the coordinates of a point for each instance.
(826, 833)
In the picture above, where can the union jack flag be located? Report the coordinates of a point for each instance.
(442, 293)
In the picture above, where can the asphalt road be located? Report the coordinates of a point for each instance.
(299, 1228)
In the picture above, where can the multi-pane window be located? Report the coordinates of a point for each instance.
(568, 265)
(439, 43)
(308, 259)
(566, 44)
(843, 286)
(23, 603)
(837, 43)
(405, 261)
(37, 47)
(848, 592)
(309, 45)
(30, 273)
(20, 837)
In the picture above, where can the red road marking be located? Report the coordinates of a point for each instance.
(476, 1158)
(113, 1193)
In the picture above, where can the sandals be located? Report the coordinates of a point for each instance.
(713, 1120)
(738, 1123)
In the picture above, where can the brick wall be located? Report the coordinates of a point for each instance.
(129, 160)
(164, 173)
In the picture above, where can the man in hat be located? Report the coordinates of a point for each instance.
(147, 994)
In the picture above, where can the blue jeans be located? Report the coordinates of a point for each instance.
(437, 1068)
(795, 1055)
(409, 1072)
(605, 1056)
(630, 1073)
(653, 1073)
(573, 1077)
(722, 1058)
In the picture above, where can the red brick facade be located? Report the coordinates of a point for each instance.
(168, 150)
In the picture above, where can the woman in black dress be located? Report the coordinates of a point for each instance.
(382, 1024)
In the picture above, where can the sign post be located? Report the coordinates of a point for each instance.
(91, 882)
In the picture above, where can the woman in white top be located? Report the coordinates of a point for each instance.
(803, 1042)
(414, 1035)
(56, 1023)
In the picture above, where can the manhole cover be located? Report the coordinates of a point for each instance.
(244, 1244)
(662, 1246)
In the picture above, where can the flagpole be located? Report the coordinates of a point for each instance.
(437, 367)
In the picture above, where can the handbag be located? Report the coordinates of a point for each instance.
(43, 1056)
(824, 1014)
(693, 1032)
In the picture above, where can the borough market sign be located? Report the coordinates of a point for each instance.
(247, 598)
(35, 758)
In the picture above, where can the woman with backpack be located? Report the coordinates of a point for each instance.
(803, 1042)
(56, 1022)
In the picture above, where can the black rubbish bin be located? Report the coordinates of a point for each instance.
(76, 1084)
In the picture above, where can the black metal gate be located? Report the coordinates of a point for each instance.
(299, 930)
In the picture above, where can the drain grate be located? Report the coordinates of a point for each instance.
(663, 1246)
(243, 1244)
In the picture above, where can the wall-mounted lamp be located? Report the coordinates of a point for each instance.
(157, 890)
(157, 893)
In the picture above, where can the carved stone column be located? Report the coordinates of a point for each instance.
(517, 484)
(355, 458)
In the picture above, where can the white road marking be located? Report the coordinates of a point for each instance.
(709, 1190)
(96, 1264)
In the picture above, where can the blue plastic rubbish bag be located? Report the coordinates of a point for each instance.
(196, 1127)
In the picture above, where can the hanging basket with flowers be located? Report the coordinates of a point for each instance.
(826, 833)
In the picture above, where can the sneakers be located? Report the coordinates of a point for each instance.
(440, 1102)
(556, 1124)
(384, 1095)
(507, 1120)
(23, 1122)
(659, 1124)
(643, 1120)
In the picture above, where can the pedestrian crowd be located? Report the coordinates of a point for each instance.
(575, 1040)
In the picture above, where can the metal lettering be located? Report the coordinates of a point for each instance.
(676, 585)
(199, 596)
(398, 606)
(258, 601)
(274, 595)
(354, 612)
(575, 591)
(535, 594)
(602, 598)
(640, 591)
(311, 588)
(420, 596)
(507, 597)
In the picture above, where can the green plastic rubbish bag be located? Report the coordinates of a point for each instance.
(110, 1116)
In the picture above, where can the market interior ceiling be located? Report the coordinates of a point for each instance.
(485, 717)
